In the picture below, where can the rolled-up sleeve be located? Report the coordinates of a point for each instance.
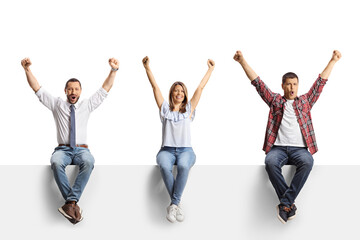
(97, 98)
(46, 98)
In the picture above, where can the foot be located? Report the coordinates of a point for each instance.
(292, 213)
(78, 213)
(179, 214)
(283, 212)
(68, 211)
(171, 213)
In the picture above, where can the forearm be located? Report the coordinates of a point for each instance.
(205, 79)
(109, 81)
(250, 73)
(157, 93)
(326, 73)
(33, 83)
(197, 94)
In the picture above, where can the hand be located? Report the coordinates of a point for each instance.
(336, 55)
(26, 63)
(211, 64)
(146, 62)
(238, 56)
(114, 63)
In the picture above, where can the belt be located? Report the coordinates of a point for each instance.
(77, 145)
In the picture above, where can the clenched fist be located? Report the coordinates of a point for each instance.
(336, 55)
(211, 64)
(26, 63)
(146, 62)
(114, 63)
(238, 56)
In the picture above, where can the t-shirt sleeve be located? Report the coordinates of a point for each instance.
(164, 110)
(188, 110)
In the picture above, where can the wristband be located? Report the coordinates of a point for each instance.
(114, 69)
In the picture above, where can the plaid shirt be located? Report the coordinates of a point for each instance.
(302, 106)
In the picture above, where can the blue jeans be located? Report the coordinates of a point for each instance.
(276, 159)
(184, 158)
(63, 156)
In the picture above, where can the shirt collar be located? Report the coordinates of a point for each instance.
(76, 105)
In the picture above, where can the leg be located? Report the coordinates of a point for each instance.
(302, 159)
(166, 160)
(85, 161)
(59, 160)
(274, 161)
(185, 160)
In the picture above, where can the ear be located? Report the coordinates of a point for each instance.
(283, 86)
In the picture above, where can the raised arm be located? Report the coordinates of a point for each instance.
(335, 57)
(250, 73)
(109, 81)
(157, 93)
(197, 94)
(29, 76)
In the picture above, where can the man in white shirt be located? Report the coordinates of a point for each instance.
(71, 119)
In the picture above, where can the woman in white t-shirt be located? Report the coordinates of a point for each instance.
(176, 116)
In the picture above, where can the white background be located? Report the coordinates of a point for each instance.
(75, 39)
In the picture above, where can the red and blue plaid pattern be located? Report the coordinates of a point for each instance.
(302, 106)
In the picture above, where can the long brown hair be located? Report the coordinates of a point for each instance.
(182, 108)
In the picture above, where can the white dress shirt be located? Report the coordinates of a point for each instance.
(61, 113)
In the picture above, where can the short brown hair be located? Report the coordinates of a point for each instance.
(182, 108)
(72, 80)
(289, 75)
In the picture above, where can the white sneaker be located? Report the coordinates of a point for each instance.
(179, 214)
(171, 213)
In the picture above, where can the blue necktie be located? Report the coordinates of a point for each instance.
(72, 127)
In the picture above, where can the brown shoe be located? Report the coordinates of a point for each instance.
(68, 211)
(78, 212)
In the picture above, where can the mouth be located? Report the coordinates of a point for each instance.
(292, 93)
(73, 97)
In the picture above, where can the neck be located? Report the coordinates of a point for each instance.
(177, 107)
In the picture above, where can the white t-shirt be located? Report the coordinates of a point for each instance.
(289, 133)
(176, 126)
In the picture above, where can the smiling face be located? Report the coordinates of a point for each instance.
(290, 87)
(178, 94)
(73, 91)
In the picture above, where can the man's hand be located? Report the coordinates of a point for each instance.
(114, 63)
(336, 56)
(146, 62)
(238, 56)
(211, 64)
(26, 63)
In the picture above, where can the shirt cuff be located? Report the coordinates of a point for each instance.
(103, 92)
(255, 81)
(38, 93)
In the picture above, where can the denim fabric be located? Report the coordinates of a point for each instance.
(287, 155)
(64, 156)
(184, 158)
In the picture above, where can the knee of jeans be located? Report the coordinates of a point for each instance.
(57, 163)
(308, 163)
(271, 163)
(184, 166)
(164, 166)
(87, 163)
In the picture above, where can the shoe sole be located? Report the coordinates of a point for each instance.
(73, 221)
(278, 215)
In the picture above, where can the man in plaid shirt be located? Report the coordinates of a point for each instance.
(290, 137)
